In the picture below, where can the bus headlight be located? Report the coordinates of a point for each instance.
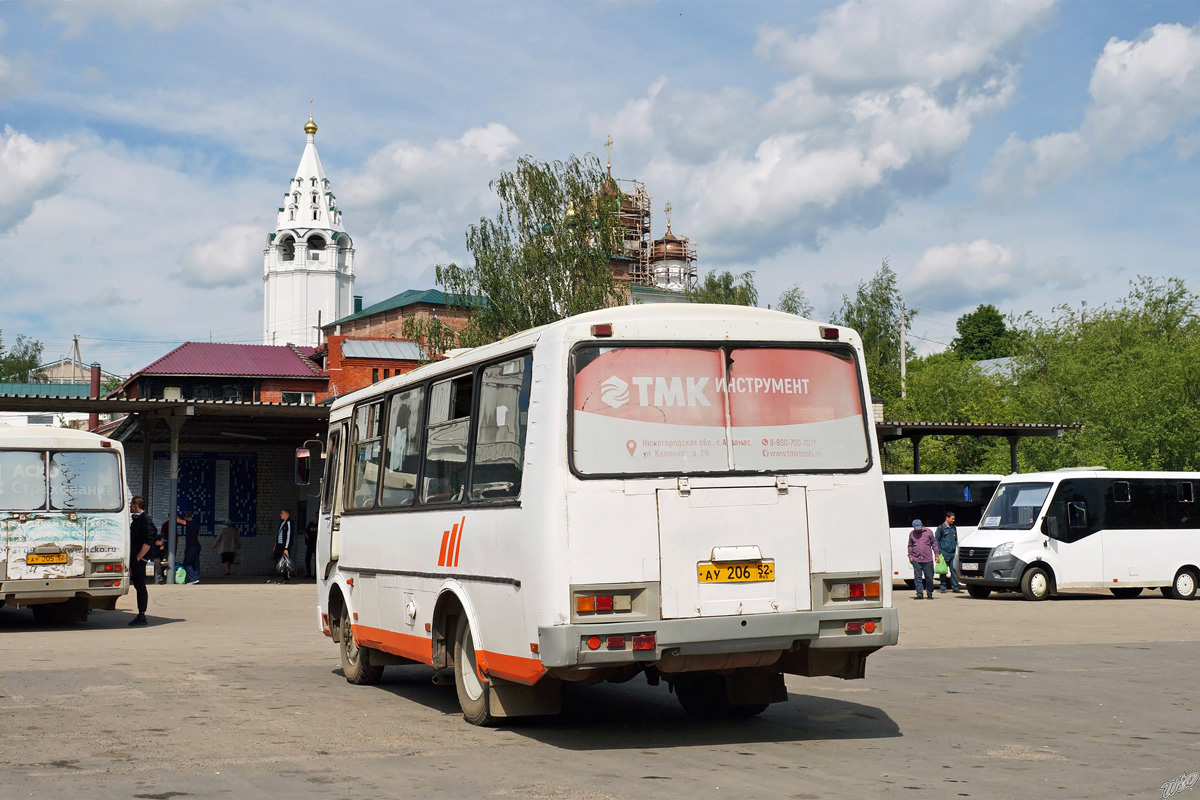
(1003, 550)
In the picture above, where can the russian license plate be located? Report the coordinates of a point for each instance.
(970, 566)
(747, 572)
(46, 558)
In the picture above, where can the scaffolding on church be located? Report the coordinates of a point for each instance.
(634, 229)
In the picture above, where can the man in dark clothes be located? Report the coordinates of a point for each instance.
(310, 549)
(141, 534)
(191, 549)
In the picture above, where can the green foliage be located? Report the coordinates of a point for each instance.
(795, 301)
(17, 361)
(982, 334)
(434, 336)
(545, 256)
(875, 313)
(727, 288)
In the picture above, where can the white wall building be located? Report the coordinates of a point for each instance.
(308, 266)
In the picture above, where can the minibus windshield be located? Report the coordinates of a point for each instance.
(1015, 506)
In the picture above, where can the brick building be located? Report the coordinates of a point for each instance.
(385, 320)
(354, 363)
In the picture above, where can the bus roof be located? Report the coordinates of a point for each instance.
(1094, 472)
(42, 436)
(657, 321)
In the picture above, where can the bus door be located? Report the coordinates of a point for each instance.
(733, 550)
(1072, 523)
(38, 544)
(1133, 513)
(329, 522)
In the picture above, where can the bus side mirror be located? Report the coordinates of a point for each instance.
(303, 466)
(1050, 527)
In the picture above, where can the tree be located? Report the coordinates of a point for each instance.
(435, 336)
(725, 287)
(546, 255)
(875, 313)
(18, 361)
(982, 334)
(795, 301)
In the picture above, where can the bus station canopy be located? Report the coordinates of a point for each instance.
(1012, 431)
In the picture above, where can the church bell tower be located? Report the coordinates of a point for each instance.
(308, 264)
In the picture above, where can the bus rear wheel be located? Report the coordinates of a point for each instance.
(472, 687)
(1036, 584)
(705, 695)
(979, 592)
(356, 661)
(1184, 585)
(1125, 591)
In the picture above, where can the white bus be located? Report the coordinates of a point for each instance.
(64, 522)
(928, 498)
(685, 492)
(1087, 529)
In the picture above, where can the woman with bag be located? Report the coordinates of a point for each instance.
(283, 544)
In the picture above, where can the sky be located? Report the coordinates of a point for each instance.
(1023, 154)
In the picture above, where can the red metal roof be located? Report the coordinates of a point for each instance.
(246, 360)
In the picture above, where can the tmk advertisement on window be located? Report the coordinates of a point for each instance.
(658, 410)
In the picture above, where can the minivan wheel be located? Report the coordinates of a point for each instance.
(979, 592)
(1125, 591)
(1184, 585)
(1036, 584)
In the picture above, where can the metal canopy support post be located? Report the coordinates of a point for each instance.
(146, 423)
(1012, 453)
(175, 422)
(916, 442)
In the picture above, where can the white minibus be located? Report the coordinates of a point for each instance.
(64, 522)
(1087, 529)
(684, 492)
(928, 498)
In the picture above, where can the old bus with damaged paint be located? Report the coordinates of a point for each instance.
(688, 493)
(64, 522)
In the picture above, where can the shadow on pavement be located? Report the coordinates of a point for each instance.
(20, 620)
(634, 716)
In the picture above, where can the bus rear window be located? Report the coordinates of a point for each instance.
(22, 480)
(85, 481)
(664, 410)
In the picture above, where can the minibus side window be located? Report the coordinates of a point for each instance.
(500, 438)
(1075, 505)
(365, 452)
(445, 474)
(403, 449)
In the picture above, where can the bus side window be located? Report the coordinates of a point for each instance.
(449, 425)
(403, 456)
(1077, 514)
(366, 449)
(502, 421)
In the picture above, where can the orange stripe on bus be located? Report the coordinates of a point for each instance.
(517, 669)
(450, 548)
(442, 555)
(417, 648)
(461, 529)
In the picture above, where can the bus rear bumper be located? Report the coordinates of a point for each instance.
(678, 640)
(28, 592)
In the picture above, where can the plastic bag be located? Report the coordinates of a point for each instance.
(180, 575)
(939, 566)
(284, 565)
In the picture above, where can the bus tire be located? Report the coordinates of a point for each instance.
(470, 684)
(1184, 585)
(702, 694)
(356, 661)
(1036, 584)
(44, 614)
(979, 592)
(1125, 592)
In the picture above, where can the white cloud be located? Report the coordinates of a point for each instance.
(961, 275)
(158, 15)
(231, 257)
(873, 43)
(29, 171)
(886, 97)
(409, 205)
(1143, 93)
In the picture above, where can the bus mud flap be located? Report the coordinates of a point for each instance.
(516, 700)
(811, 663)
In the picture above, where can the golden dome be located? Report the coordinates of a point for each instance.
(310, 126)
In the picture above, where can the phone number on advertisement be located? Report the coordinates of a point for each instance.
(789, 442)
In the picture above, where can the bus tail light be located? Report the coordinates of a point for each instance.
(863, 626)
(594, 642)
(604, 329)
(616, 642)
(854, 627)
(645, 642)
(829, 333)
(603, 603)
(854, 591)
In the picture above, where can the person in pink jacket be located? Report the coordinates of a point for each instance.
(922, 545)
